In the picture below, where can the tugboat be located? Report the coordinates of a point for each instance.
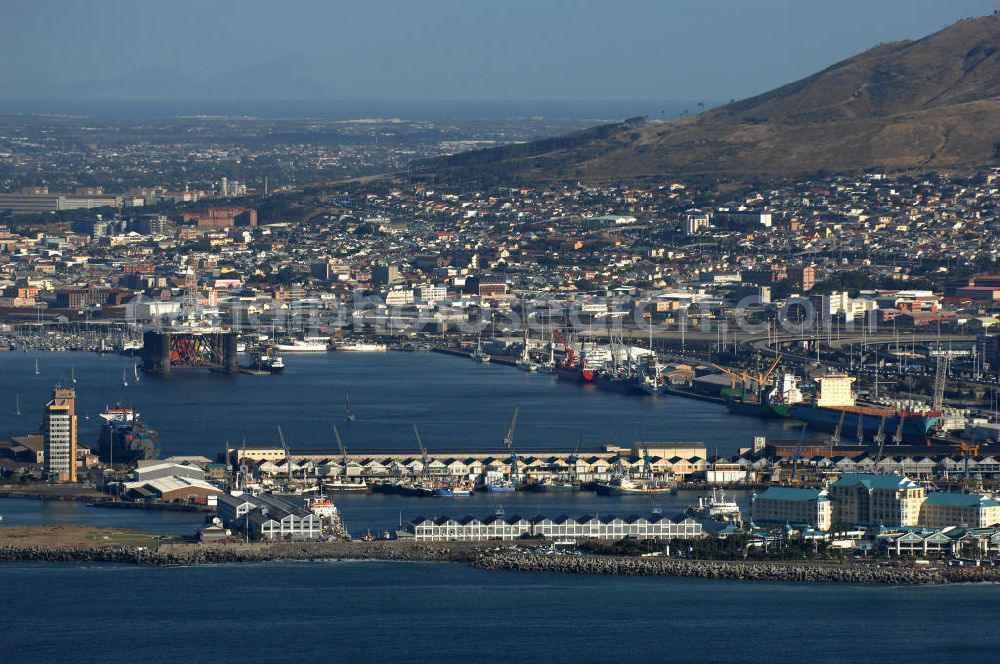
(266, 358)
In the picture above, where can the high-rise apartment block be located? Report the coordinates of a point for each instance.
(59, 429)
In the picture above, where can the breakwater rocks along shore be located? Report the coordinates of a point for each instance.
(168, 555)
(740, 571)
(500, 559)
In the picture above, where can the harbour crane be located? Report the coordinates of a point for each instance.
(940, 380)
(747, 378)
(968, 451)
(880, 440)
(508, 442)
(424, 457)
(343, 450)
(898, 438)
(570, 355)
(575, 456)
(288, 456)
(795, 455)
(835, 438)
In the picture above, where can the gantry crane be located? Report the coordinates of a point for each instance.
(761, 379)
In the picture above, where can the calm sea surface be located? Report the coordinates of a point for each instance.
(457, 403)
(432, 612)
(374, 612)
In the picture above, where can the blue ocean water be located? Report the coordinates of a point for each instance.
(457, 403)
(439, 612)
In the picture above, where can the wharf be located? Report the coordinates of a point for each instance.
(673, 391)
(459, 352)
(685, 449)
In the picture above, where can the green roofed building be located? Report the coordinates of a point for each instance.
(876, 500)
(792, 506)
(968, 510)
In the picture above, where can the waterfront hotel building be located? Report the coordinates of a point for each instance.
(59, 429)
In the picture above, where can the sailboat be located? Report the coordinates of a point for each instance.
(36, 367)
(124, 379)
(525, 363)
(549, 366)
(17, 406)
(479, 355)
(72, 374)
(135, 371)
(351, 417)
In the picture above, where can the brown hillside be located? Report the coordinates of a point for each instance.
(927, 104)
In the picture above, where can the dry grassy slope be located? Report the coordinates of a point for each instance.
(930, 103)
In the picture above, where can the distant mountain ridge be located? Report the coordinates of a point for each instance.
(933, 103)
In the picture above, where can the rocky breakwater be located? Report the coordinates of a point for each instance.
(711, 569)
(68, 543)
(193, 554)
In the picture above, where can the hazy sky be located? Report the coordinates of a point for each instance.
(447, 49)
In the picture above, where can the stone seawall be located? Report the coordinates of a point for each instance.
(500, 559)
(746, 571)
(215, 554)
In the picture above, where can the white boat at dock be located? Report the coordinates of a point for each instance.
(361, 347)
(302, 346)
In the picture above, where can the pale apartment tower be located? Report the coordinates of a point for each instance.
(224, 186)
(59, 429)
